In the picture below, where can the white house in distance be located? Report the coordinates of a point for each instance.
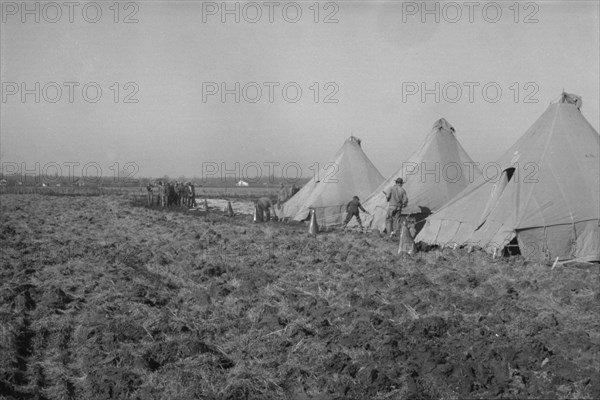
(242, 183)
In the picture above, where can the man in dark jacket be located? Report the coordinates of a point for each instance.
(352, 211)
(171, 195)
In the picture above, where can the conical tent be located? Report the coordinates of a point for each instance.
(350, 173)
(433, 175)
(546, 193)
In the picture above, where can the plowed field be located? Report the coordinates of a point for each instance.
(105, 298)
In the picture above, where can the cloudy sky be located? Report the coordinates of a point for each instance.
(176, 86)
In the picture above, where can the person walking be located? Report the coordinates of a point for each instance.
(352, 210)
(397, 199)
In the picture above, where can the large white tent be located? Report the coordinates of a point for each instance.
(433, 175)
(350, 173)
(547, 195)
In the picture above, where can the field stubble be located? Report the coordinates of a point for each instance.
(102, 297)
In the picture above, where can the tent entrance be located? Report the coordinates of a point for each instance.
(509, 173)
(512, 248)
(497, 191)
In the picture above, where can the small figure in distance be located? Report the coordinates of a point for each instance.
(397, 199)
(149, 188)
(264, 205)
(191, 195)
(181, 194)
(352, 210)
(161, 191)
(171, 195)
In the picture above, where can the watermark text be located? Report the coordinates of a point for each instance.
(69, 92)
(269, 92)
(471, 92)
(53, 12)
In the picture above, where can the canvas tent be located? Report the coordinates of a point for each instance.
(433, 175)
(349, 173)
(546, 196)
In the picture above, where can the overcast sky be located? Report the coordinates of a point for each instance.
(362, 73)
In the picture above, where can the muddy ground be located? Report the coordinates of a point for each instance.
(104, 298)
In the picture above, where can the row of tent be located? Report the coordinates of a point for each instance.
(545, 197)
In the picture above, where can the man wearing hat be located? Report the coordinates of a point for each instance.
(397, 199)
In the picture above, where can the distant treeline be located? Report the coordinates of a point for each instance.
(65, 181)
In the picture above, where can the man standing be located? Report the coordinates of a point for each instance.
(191, 195)
(150, 194)
(159, 185)
(397, 199)
(181, 194)
(171, 195)
(163, 190)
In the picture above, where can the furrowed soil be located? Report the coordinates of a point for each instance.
(105, 298)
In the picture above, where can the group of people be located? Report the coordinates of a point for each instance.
(397, 199)
(182, 194)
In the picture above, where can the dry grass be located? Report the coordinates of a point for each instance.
(101, 298)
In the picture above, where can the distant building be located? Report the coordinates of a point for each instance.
(3, 182)
(242, 183)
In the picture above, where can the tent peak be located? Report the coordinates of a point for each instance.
(443, 124)
(570, 98)
(354, 139)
